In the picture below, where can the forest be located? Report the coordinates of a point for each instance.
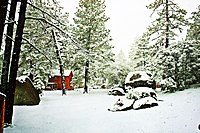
(37, 37)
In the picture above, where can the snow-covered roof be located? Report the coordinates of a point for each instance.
(57, 72)
(132, 76)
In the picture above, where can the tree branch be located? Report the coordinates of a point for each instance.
(58, 28)
(38, 50)
(45, 13)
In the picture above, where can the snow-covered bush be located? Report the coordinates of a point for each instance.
(168, 84)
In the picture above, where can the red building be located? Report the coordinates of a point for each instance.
(55, 81)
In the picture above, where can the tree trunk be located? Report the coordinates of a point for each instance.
(167, 26)
(86, 77)
(176, 72)
(60, 64)
(8, 47)
(14, 62)
(3, 12)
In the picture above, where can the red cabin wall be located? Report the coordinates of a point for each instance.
(58, 80)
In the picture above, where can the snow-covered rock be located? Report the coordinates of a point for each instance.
(145, 102)
(137, 76)
(139, 79)
(141, 92)
(116, 92)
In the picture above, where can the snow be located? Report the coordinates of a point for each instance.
(143, 77)
(22, 79)
(57, 72)
(87, 113)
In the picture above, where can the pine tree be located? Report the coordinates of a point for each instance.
(170, 21)
(193, 40)
(139, 53)
(164, 31)
(190, 63)
(91, 32)
(193, 32)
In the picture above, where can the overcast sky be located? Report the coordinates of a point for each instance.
(128, 18)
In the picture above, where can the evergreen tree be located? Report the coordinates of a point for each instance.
(170, 21)
(193, 32)
(190, 62)
(94, 38)
(193, 40)
(122, 68)
(138, 54)
(164, 32)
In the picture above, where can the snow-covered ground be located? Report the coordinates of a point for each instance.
(87, 113)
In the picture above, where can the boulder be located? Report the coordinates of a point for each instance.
(25, 92)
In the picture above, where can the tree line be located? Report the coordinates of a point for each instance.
(174, 64)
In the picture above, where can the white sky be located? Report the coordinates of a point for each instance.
(128, 18)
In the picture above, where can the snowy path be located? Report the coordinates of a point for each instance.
(87, 113)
